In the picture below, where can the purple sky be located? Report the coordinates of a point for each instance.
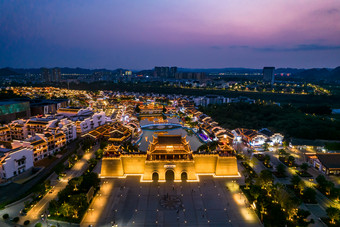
(139, 34)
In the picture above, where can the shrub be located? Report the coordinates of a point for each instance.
(5, 216)
(26, 222)
(16, 219)
(38, 224)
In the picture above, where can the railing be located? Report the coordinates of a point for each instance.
(160, 124)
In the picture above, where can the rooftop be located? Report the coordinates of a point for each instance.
(330, 160)
(169, 139)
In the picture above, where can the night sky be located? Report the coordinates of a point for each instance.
(140, 34)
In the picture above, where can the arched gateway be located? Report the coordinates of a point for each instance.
(169, 175)
(155, 177)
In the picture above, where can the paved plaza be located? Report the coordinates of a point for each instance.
(210, 202)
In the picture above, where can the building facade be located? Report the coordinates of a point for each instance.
(169, 157)
(15, 161)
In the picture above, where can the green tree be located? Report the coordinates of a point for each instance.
(266, 178)
(291, 160)
(301, 186)
(59, 169)
(304, 167)
(89, 180)
(281, 169)
(309, 195)
(266, 159)
(255, 191)
(99, 153)
(295, 180)
(65, 209)
(333, 214)
(75, 183)
(103, 144)
(282, 152)
(322, 182)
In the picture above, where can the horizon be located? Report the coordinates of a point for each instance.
(146, 69)
(190, 34)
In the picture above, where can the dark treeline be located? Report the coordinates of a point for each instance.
(158, 87)
(285, 119)
(155, 87)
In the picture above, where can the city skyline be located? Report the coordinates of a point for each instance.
(190, 34)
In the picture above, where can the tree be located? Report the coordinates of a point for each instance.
(266, 178)
(285, 144)
(77, 201)
(301, 186)
(282, 152)
(16, 219)
(75, 182)
(59, 169)
(304, 167)
(266, 159)
(255, 192)
(65, 209)
(329, 187)
(281, 169)
(295, 180)
(302, 216)
(103, 144)
(291, 160)
(291, 206)
(99, 153)
(309, 195)
(89, 180)
(248, 181)
(322, 182)
(253, 161)
(333, 213)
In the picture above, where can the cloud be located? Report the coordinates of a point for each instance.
(216, 47)
(300, 47)
(332, 11)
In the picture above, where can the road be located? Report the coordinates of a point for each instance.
(20, 189)
(41, 207)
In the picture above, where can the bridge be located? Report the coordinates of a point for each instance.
(151, 126)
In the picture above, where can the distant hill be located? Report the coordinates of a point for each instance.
(313, 74)
(219, 70)
(335, 73)
(319, 74)
(66, 70)
(8, 72)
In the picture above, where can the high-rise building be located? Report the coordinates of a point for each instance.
(173, 71)
(161, 72)
(46, 75)
(190, 76)
(56, 75)
(51, 75)
(268, 74)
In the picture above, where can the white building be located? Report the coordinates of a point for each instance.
(69, 128)
(15, 161)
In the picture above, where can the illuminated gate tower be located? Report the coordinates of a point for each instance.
(169, 157)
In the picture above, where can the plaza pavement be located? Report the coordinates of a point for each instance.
(128, 202)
